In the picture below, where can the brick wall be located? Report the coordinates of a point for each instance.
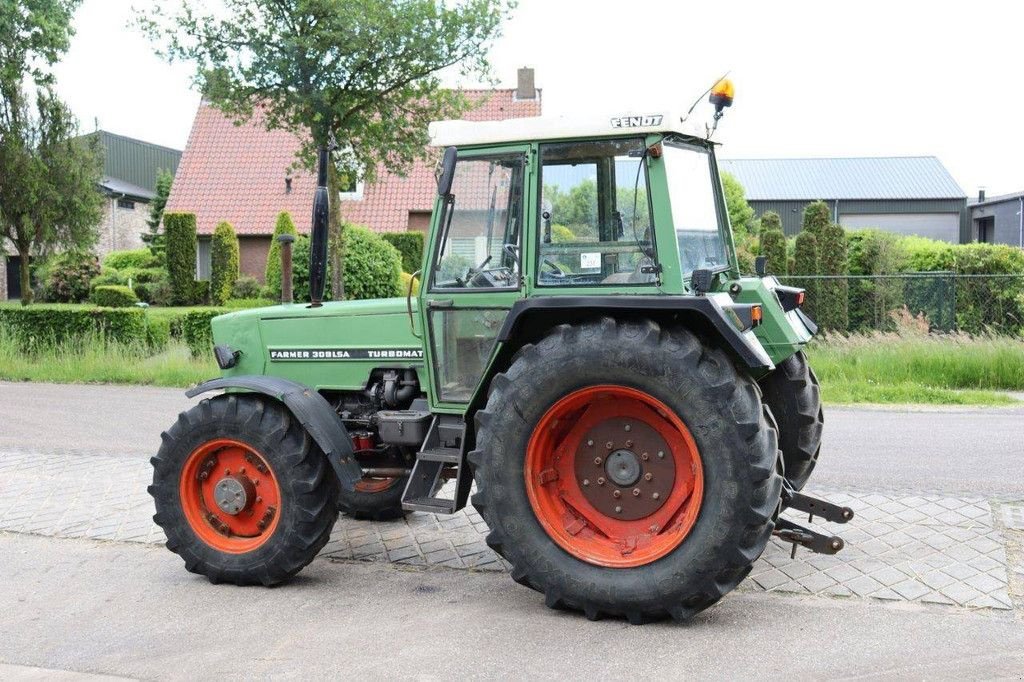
(252, 253)
(121, 228)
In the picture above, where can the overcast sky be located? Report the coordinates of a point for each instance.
(812, 79)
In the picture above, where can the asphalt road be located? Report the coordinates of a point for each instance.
(976, 450)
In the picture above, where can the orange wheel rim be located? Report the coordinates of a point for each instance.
(230, 496)
(375, 485)
(614, 476)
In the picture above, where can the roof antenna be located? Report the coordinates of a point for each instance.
(701, 96)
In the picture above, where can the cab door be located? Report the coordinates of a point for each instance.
(474, 268)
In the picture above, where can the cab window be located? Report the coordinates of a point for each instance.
(595, 215)
(481, 225)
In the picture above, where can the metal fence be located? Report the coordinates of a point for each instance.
(943, 301)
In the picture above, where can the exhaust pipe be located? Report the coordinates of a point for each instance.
(318, 238)
(286, 240)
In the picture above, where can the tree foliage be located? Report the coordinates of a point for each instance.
(817, 217)
(361, 72)
(34, 34)
(224, 262)
(741, 215)
(180, 230)
(773, 243)
(833, 293)
(154, 238)
(805, 262)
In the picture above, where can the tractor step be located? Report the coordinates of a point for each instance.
(440, 458)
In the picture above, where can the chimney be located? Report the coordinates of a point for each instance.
(981, 194)
(525, 88)
(287, 185)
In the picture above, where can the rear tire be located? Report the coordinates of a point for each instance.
(287, 489)
(793, 395)
(720, 409)
(374, 499)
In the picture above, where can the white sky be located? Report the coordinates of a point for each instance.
(813, 78)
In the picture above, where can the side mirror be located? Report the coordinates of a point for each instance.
(447, 174)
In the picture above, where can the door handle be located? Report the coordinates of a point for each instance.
(440, 303)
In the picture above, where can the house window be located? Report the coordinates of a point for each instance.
(351, 188)
(126, 204)
(203, 260)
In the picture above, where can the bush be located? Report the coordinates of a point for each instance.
(410, 247)
(927, 255)
(113, 296)
(406, 279)
(68, 275)
(255, 302)
(817, 217)
(135, 258)
(246, 287)
(989, 303)
(773, 243)
(224, 263)
(272, 274)
(874, 252)
(805, 262)
(833, 294)
(196, 331)
(372, 266)
(158, 333)
(155, 293)
(39, 326)
(180, 233)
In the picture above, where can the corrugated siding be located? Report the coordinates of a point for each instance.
(900, 178)
(792, 212)
(135, 161)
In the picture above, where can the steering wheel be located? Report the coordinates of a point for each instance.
(473, 272)
(558, 271)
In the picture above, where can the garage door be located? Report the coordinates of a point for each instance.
(944, 226)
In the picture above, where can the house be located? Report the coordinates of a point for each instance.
(130, 169)
(246, 175)
(997, 220)
(902, 194)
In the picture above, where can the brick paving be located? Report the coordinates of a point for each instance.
(907, 547)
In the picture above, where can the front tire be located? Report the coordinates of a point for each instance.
(605, 557)
(242, 492)
(792, 394)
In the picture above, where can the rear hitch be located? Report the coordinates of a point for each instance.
(805, 537)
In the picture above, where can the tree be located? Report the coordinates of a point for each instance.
(773, 243)
(224, 259)
(833, 293)
(359, 72)
(817, 217)
(154, 239)
(48, 179)
(180, 231)
(805, 262)
(272, 274)
(741, 215)
(48, 196)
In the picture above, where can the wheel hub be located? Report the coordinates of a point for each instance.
(623, 467)
(232, 495)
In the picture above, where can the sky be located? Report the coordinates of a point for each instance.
(813, 79)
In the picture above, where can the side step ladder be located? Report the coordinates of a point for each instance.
(441, 458)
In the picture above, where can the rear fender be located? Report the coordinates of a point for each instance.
(311, 409)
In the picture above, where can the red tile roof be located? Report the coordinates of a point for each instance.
(237, 173)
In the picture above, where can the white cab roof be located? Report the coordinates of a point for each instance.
(464, 133)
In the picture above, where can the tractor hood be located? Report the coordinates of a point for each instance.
(334, 346)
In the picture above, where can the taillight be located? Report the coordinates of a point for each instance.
(755, 315)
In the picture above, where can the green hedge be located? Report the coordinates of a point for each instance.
(805, 262)
(42, 325)
(196, 331)
(833, 294)
(135, 258)
(372, 266)
(272, 274)
(410, 247)
(114, 296)
(180, 231)
(773, 243)
(158, 333)
(224, 259)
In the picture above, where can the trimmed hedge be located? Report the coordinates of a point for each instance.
(196, 331)
(158, 333)
(180, 231)
(224, 259)
(410, 247)
(833, 294)
(246, 287)
(272, 274)
(805, 262)
(817, 217)
(113, 296)
(134, 258)
(773, 243)
(42, 325)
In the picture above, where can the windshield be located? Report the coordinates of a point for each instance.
(694, 213)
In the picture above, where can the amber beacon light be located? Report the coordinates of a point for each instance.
(721, 95)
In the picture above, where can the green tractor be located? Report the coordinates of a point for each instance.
(632, 411)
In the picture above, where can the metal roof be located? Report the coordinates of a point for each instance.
(135, 162)
(117, 187)
(893, 177)
(998, 199)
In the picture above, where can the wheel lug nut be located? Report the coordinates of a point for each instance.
(648, 476)
(628, 427)
(656, 496)
(600, 481)
(618, 510)
(609, 445)
(590, 443)
(661, 455)
(597, 461)
(586, 481)
(645, 456)
(629, 443)
(616, 494)
(636, 492)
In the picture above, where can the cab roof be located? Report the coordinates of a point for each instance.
(469, 133)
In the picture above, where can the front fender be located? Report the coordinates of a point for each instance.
(311, 409)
